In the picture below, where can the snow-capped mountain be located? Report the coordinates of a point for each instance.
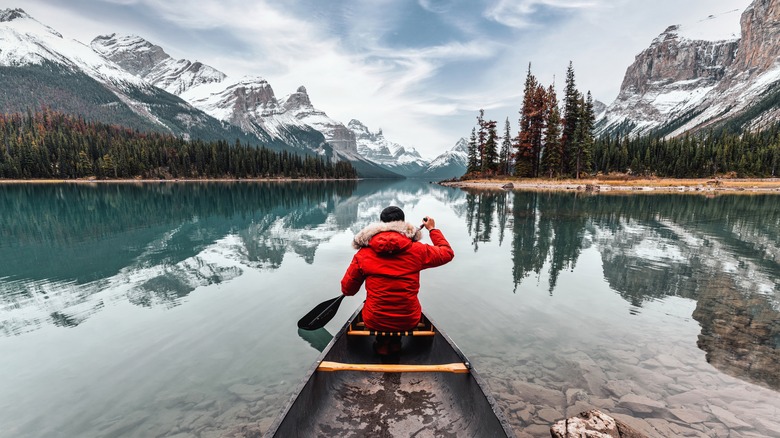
(248, 103)
(26, 41)
(150, 62)
(405, 161)
(44, 68)
(693, 77)
(450, 164)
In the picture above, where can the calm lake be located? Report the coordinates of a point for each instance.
(151, 310)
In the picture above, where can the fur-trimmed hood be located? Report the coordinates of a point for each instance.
(363, 238)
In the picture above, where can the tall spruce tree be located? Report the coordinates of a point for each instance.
(570, 118)
(582, 147)
(553, 152)
(473, 164)
(482, 135)
(505, 159)
(524, 148)
(537, 128)
(490, 161)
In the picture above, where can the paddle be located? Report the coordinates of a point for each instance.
(326, 310)
(320, 315)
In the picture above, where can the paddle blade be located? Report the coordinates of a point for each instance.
(320, 315)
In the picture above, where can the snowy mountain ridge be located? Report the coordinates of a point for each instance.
(703, 75)
(248, 103)
(179, 96)
(151, 63)
(452, 163)
(24, 41)
(374, 146)
(44, 68)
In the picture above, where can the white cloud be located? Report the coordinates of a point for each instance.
(519, 14)
(421, 96)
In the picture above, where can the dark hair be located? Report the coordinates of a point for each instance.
(391, 214)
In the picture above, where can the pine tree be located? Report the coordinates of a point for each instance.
(473, 165)
(570, 118)
(490, 161)
(505, 159)
(524, 149)
(553, 153)
(482, 136)
(583, 143)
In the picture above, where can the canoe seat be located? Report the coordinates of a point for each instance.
(457, 367)
(358, 328)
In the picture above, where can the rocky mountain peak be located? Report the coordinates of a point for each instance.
(362, 131)
(671, 58)
(12, 14)
(150, 62)
(252, 95)
(298, 100)
(461, 145)
(131, 52)
(703, 75)
(760, 41)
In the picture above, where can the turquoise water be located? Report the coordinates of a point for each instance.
(169, 309)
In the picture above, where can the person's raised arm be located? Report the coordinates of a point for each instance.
(440, 252)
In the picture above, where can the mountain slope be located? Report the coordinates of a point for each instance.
(248, 103)
(150, 62)
(70, 77)
(705, 75)
(451, 164)
(392, 156)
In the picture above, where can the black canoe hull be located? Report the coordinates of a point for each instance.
(391, 404)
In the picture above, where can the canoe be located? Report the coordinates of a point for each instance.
(429, 389)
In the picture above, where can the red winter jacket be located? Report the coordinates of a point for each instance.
(389, 259)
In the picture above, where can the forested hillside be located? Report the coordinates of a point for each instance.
(48, 144)
(692, 155)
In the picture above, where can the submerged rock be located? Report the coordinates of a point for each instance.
(593, 423)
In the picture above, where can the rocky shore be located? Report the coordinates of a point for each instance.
(627, 185)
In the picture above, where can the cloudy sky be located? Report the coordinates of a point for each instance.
(418, 69)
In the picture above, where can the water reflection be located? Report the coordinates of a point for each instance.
(722, 252)
(66, 249)
(318, 339)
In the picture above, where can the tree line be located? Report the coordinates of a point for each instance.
(715, 153)
(556, 140)
(48, 144)
(549, 143)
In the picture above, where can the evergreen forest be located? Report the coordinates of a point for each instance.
(556, 139)
(52, 145)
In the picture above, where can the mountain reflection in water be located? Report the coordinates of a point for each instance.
(722, 252)
(62, 246)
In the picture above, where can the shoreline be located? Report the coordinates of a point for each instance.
(626, 185)
(159, 181)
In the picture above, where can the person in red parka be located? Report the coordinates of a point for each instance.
(389, 260)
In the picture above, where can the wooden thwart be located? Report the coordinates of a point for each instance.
(457, 367)
(374, 333)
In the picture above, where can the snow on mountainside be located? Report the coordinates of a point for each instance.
(701, 75)
(26, 41)
(150, 62)
(374, 146)
(41, 67)
(451, 164)
(248, 103)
